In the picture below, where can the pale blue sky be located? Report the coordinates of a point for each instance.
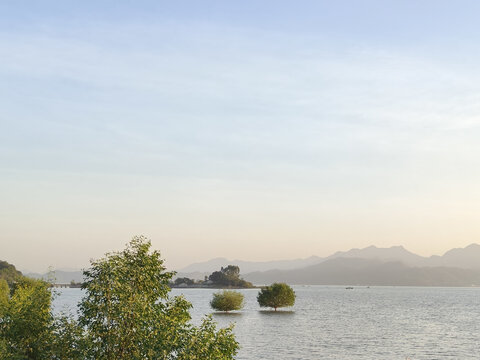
(256, 129)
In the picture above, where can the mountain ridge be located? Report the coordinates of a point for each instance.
(464, 258)
(248, 266)
(366, 272)
(451, 264)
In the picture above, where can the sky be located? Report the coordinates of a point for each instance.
(253, 130)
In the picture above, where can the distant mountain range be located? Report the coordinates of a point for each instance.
(465, 258)
(357, 271)
(250, 266)
(367, 266)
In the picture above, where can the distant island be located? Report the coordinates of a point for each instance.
(227, 278)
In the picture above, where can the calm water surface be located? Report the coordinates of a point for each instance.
(335, 323)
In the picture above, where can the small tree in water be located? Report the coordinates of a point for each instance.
(276, 295)
(128, 314)
(227, 301)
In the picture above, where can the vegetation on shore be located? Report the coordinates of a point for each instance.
(127, 313)
(9, 273)
(227, 300)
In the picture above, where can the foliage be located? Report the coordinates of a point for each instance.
(9, 273)
(4, 296)
(227, 301)
(26, 320)
(183, 280)
(128, 314)
(125, 314)
(276, 295)
(69, 341)
(231, 271)
(207, 343)
(27, 328)
(229, 276)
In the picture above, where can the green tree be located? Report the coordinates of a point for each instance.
(276, 295)
(9, 273)
(4, 296)
(229, 276)
(69, 341)
(227, 301)
(218, 278)
(231, 271)
(183, 280)
(128, 313)
(205, 342)
(25, 326)
(29, 331)
(4, 299)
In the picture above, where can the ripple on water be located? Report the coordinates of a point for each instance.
(361, 324)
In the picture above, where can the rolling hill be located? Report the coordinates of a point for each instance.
(356, 271)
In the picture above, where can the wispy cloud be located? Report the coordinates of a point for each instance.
(210, 116)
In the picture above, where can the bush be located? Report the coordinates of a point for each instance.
(227, 301)
(276, 295)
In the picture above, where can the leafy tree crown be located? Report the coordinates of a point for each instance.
(276, 295)
(227, 301)
(128, 313)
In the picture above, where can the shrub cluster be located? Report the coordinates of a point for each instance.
(274, 296)
(227, 301)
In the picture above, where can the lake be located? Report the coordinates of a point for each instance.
(329, 322)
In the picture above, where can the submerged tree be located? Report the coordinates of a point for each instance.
(227, 301)
(128, 314)
(276, 295)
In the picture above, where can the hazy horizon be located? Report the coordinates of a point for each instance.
(233, 259)
(256, 131)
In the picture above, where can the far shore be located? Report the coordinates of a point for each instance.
(198, 286)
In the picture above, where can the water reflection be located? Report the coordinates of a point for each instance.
(277, 313)
(227, 314)
(332, 323)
